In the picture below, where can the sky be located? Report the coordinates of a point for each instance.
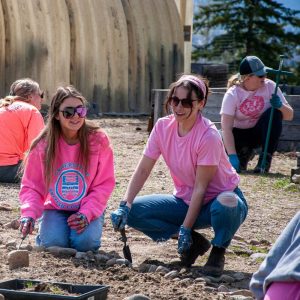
(294, 4)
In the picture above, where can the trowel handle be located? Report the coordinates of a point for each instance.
(123, 235)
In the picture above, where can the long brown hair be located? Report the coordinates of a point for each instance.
(20, 90)
(52, 131)
(201, 96)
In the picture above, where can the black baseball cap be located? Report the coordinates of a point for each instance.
(253, 65)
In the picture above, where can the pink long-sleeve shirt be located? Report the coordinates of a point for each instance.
(72, 188)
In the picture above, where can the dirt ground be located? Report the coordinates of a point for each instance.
(272, 203)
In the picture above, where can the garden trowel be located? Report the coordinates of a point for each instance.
(22, 239)
(126, 250)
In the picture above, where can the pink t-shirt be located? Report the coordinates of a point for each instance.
(201, 146)
(283, 291)
(71, 188)
(20, 123)
(248, 106)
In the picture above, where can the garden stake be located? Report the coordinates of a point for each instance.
(278, 73)
(126, 250)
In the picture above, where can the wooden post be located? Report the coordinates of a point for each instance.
(186, 12)
(158, 97)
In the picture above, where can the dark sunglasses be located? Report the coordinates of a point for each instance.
(69, 112)
(186, 103)
(261, 76)
(42, 94)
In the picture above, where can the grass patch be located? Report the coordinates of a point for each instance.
(258, 250)
(240, 251)
(259, 260)
(281, 183)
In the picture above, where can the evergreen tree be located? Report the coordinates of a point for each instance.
(264, 28)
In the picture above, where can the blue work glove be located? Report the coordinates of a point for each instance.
(119, 217)
(235, 162)
(78, 222)
(184, 240)
(276, 101)
(26, 225)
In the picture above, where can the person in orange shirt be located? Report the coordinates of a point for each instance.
(20, 123)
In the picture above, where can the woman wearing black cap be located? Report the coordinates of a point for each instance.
(245, 114)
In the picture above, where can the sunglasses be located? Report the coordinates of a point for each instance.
(186, 103)
(42, 94)
(69, 112)
(261, 76)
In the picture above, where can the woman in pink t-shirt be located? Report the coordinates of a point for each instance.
(205, 184)
(245, 111)
(68, 177)
(20, 123)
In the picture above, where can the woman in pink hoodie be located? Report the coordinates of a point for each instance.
(68, 177)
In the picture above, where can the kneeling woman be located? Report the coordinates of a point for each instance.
(206, 192)
(68, 177)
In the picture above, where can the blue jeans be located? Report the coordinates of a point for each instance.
(160, 216)
(54, 231)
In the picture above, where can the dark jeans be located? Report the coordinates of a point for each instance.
(9, 174)
(255, 137)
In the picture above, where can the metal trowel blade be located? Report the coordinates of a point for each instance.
(126, 250)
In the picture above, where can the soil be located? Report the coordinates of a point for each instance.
(272, 203)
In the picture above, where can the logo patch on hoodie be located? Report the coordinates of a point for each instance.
(70, 188)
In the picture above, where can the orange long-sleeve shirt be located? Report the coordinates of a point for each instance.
(20, 123)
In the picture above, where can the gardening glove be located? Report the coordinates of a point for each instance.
(235, 162)
(184, 240)
(78, 222)
(119, 217)
(26, 226)
(276, 101)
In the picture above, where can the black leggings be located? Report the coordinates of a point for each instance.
(255, 137)
(10, 174)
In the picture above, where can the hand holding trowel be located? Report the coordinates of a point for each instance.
(26, 227)
(119, 220)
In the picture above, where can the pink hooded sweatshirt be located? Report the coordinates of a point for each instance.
(72, 188)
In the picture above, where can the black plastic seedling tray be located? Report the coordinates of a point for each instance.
(13, 290)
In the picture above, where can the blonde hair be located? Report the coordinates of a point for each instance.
(52, 131)
(20, 90)
(236, 79)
